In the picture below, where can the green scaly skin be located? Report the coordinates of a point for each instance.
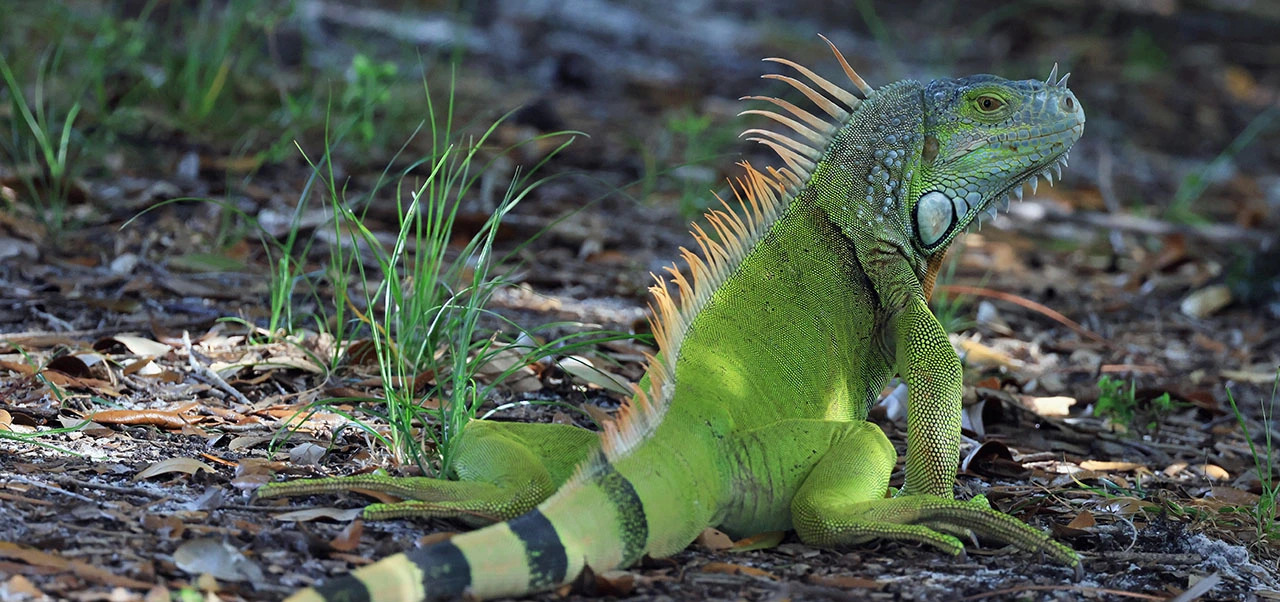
(758, 423)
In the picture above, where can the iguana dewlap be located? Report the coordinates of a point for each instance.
(807, 295)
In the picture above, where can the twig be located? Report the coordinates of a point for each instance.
(979, 291)
(208, 374)
(1060, 588)
(52, 488)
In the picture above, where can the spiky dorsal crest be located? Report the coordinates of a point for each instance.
(760, 199)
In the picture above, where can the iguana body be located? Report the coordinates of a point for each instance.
(787, 327)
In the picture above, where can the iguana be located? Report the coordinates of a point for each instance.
(804, 300)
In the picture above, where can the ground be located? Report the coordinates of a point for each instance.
(1151, 264)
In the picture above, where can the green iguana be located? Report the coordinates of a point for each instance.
(789, 323)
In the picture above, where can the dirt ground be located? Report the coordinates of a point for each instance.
(1153, 261)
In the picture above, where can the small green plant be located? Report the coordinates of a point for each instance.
(41, 138)
(1264, 514)
(1183, 206)
(368, 88)
(701, 142)
(1122, 406)
(419, 301)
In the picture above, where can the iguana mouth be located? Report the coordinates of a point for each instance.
(1002, 200)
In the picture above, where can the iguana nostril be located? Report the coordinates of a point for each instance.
(1071, 104)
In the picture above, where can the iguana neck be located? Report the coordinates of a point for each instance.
(864, 183)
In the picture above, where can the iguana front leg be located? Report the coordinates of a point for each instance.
(929, 365)
(504, 469)
(841, 502)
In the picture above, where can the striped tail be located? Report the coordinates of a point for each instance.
(596, 519)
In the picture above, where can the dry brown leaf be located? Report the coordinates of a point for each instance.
(993, 459)
(737, 569)
(759, 541)
(81, 569)
(160, 418)
(981, 356)
(1084, 520)
(1050, 406)
(59, 379)
(18, 367)
(348, 539)
(714, 540)
(185, 465)
(1233, 497)
(615, 583)
(20, 587)
(1213, 471)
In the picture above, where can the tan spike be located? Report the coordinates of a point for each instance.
(784, 175)
(823, 103)
(841, 94)
(738, 228)
(809, 118)
(857, 80)
(740, 224)
(793, 160)
(789, 122)
(731, 220)
(796, 145)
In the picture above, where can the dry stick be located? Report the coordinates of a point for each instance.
(208, 374)
(1061, 588)
(978, 291)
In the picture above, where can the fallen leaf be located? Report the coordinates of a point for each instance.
(1206, 301)
(993, 459)
(759, 541)
(1262, 377)
(82, 569)
(737, 569)
(160, 418)
(306, 453)
(185, 465)
(1084, 520)
(1111, 466)
(714, 540)
(1213, 471)
(348, 539)
(19, 587)
(217, 558)
(1050, 406)
(615, 583)
(1233, 496)
(581, 368)
(977, 355)
(136, 345)
(310, 514)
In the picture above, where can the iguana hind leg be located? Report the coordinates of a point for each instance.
(503, 470)
(842, 502)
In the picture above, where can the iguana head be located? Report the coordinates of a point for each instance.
(984, 138)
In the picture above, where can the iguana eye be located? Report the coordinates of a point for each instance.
(989, 104)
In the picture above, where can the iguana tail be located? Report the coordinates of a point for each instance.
(598, 519)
